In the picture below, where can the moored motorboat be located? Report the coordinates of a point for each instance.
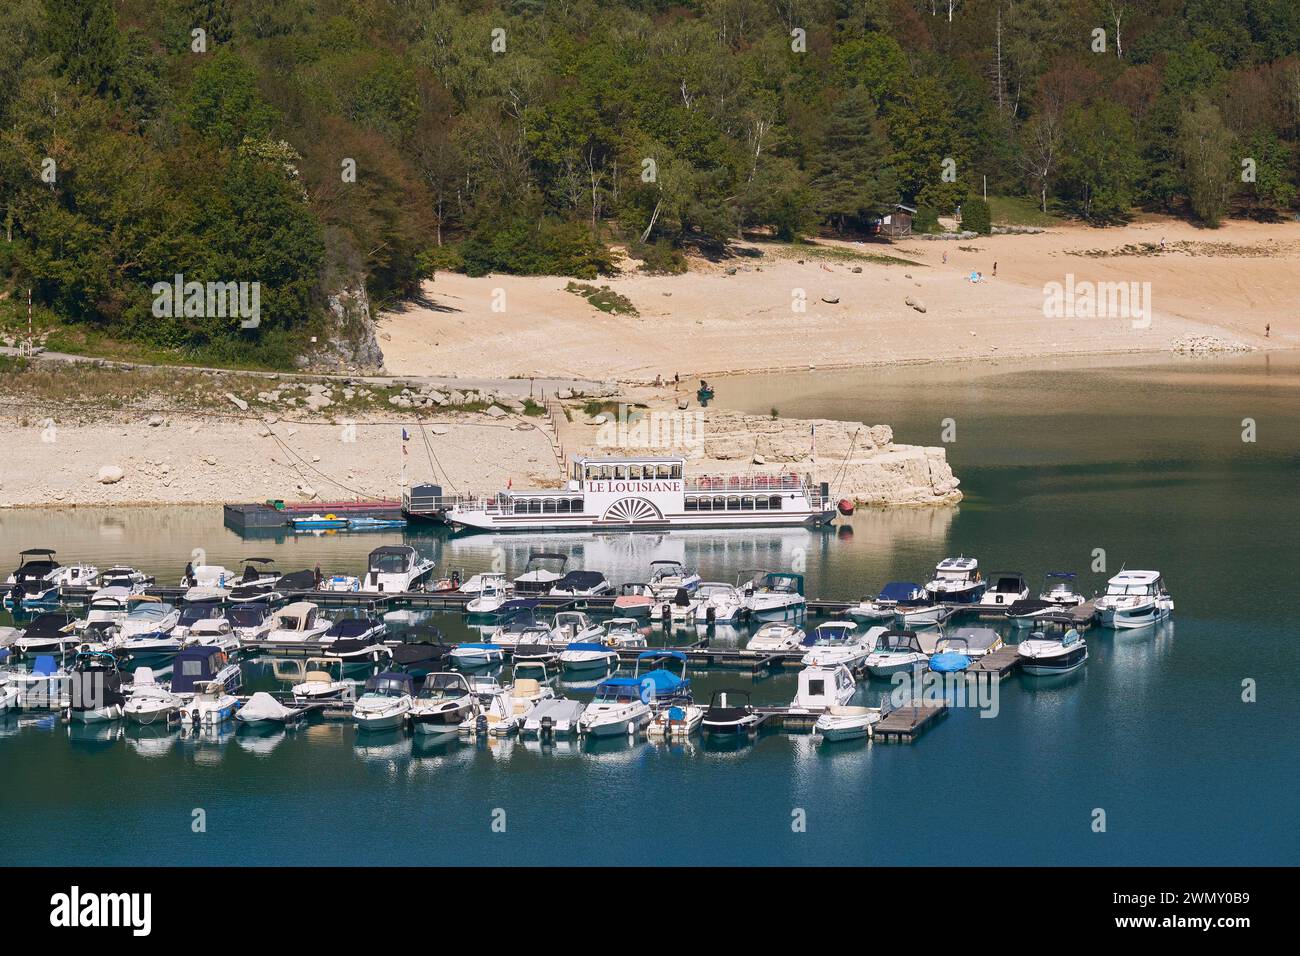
(718, 603)
(1005, 589)
(588, 655)
(634, 600)
(1057, 649)
(840, 642)
(618, 709)
(541, 573)
(896, 651)
(843, 722)
(294, 625)
(200, 664)
(975, 642)
(730, 713)
(570, 627)
(668, 576)
(149, 701)
(493, 592)
(553, 716)
(581, 584)
(212, 705)
(773, 595)
(444, 702)
(122, 576)
(322, 680)
(956, 581)
(823, 687)
(95, 687)
(1025, 612)
(48, 632)
(385, 702)
(262, 708)
(677, 608)
(477, 655)
(1134, 599)
(1059, 589)
(625, 632)
(777, 636)
(397, 568)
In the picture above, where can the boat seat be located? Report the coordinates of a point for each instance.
(526, 687)
(317, 677)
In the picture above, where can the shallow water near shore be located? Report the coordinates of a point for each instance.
(1141, 458)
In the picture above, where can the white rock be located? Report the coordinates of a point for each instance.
(238, 402)
(110, 475)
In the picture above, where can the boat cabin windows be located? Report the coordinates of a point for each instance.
(628, 471)
(390, 562)
(537, 506)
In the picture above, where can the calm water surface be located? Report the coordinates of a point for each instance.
(1144, 461)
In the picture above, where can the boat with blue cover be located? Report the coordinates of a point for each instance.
(618, 708)
(477, 655)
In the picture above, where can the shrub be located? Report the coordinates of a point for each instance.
(975, 216)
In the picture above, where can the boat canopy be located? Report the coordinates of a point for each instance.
(409, 655)
(195, 665)
(352, 626)
(392, 558)
(297, 616)
(661, 655)
(898, 641)
(483, 647)
(665, 683)
(299, 581)
(1066, 575)
(389, 684)
(580, 581)
(48, 624)
(901, 591)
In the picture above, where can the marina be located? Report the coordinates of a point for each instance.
(1054, 734)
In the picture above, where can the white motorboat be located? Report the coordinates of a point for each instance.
(149, 701)
(1057, 649)
(541, 574)
(493, 591)
(667, 577)
(553, 716)
(397, 568)
(262, 708)
(893, 596)
(148, 630)
(494, 714)
(341, 582)
(625, 632)
(526, 693)
(823, 687)
(37, 580)
(209, 576)
(191, 612)
(477, 655)
(777, 636)
(44, 686)
(211, 706)
(570, 627)
(840, 642)
(322, 680)
(385, 702)
(718, 603)
(896, 651)
(634, 600)
(250, 622)
(8, 693)
(259, 577)
(772, 595)
(1005, 588)
(912, 617)
(133, 580)
(296, 624)
(48, 632)
(956, 581)
(974, 642)
(213, 632)
(730, 713)
(588, 655)
(1059, 589)
(105, 613)
(200, 664)
(95, 687)
(476, 583)
(846, 723)
(581, 584)
(872, 610)
(1134, 599)
(617, 709)
(677, 608)
(445, 701)
(676, 721)
(1027, 612)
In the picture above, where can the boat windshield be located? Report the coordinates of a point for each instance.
(390, 562)
(1131, 590)
(246, 615)
(617, 694)
(443, 687)
(193, 613)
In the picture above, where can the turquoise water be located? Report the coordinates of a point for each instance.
(1142, 460)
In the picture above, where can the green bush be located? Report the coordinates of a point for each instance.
(926, 220)
(660, 257)
(975, 216)
(521, 248)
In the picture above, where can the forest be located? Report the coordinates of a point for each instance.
(314, 144)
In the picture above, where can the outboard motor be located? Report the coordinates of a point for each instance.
(481, 726)
(194, 719)
(548, 727)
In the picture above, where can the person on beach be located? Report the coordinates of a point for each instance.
(945, 257)
(995, 270)
(1267, 326)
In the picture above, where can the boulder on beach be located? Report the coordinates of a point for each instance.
(238, 402)
(110, 475)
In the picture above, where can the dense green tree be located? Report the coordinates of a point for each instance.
(852, 178)
(1205, 146)
(1099, 162)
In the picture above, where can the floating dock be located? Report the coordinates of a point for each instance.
(904, 724)
(248, 520)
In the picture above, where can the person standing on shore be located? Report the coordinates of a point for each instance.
(995, 270)
(1267, 326)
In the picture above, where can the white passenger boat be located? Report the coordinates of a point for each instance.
(618, 709)
(773, 595)
(718, 603)
(676, 721)
(1134, 599)
(385, 702)
(494, 715)
(1005, 588)
(956, 581)
(148, 630)
(250, 622)
(912, 617)
(777, 636)
(638, 493)
(896, 651)
(823, 687)
(476, 583)
(105, 613)
(397, 568)
(1057, 649)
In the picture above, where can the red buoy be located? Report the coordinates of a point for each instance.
(846, 506)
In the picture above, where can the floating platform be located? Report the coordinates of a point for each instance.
(904, 724)
(249, 519)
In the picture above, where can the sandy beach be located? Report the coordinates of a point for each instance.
(740, 315)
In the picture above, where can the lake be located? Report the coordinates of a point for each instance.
(1086, 466)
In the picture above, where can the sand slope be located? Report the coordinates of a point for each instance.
(1227, 282)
